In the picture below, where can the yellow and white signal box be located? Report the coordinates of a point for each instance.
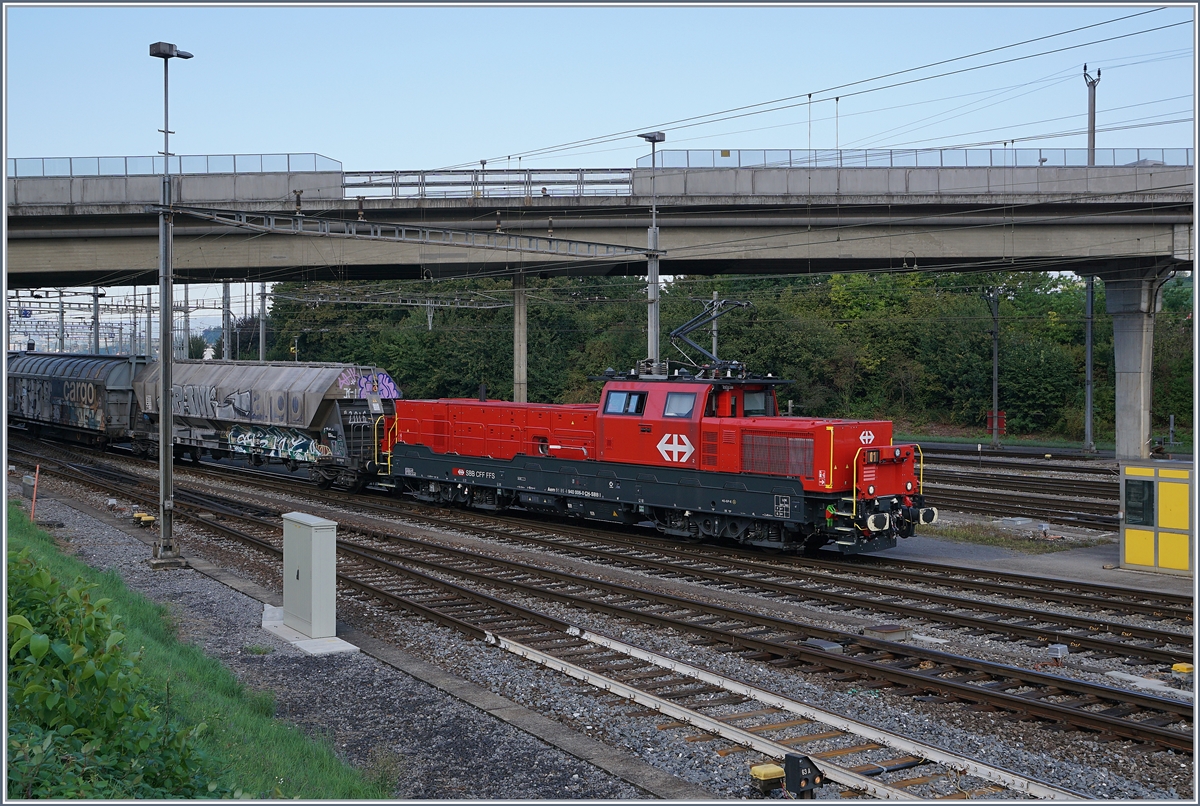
(1158, 519)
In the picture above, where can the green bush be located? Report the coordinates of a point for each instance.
(81, 722)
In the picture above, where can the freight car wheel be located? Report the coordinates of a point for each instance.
(324, 483)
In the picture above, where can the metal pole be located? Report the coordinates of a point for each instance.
(1089, 443)
(185, 347)
(262, 322)
(652, 262)
(149, 312)
(62, 325)
(520, 340)
(714, 325)
(226, 322)
(95, 320)
(166, 413)
(1091, 85)
(133, 330)
(994, 299)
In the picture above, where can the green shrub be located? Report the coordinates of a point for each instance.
(81, 721)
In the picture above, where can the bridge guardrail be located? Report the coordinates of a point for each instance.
(572, 182)
(918, 158)
(21, 167)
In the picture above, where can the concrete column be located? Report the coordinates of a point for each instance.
(520, 340)
(1133, 297)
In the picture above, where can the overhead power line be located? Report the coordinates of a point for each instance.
(741, 111)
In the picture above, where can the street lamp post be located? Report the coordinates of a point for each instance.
(653, 138)
(166, 408)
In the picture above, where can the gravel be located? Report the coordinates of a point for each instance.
(438, 747)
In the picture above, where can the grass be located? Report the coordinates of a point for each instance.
(987, 535)
(258, 753)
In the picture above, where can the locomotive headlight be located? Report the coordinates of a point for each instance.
(871, 490)
(897, 453)
(908, 486)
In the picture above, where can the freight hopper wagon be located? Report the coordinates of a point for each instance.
(81, 398)
(700, 459)
(327, 417)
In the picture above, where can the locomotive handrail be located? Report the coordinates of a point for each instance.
(832, 467)
(854, 484)
(921, 472)
(385, 433)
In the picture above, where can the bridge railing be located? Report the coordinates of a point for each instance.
(182, 164)
(918, 158)
(572, 182)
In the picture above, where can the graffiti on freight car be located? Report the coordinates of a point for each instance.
(70, 403)
(354, 383)
(284, 443)
(201, 400)
(29, 396)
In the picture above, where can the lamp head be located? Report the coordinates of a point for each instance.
(653, 137)
(165, 50)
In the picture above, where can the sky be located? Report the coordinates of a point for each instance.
(395, 87)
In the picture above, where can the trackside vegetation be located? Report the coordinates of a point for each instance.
(913, 347)
(104, 702)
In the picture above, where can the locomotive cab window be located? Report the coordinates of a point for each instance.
(758, 404)
(625, 403)
(679, 404)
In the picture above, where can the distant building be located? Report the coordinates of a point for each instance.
(209, 352)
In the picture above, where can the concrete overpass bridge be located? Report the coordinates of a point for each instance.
(781, 212)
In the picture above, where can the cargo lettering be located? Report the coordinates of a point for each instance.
(79, 392)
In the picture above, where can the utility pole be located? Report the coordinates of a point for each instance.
(95, 320)
(652, 326)
(186, 348)
(993, 298)
(226, 322)
(520, 340)
(133, 329)
(1091, 85)
(165, 548)
(714, 324)
(149, 311)
(1089, 443)
(262, 322)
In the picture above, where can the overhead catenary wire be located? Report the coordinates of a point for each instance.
(676, 123)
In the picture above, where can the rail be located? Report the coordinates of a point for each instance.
(919, 158)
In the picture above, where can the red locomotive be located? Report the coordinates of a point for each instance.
(703, 456)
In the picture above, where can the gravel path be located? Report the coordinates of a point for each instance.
(438, 747)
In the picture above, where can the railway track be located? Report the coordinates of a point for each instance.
(1100, 489)
(907, 669)
(1102, 638)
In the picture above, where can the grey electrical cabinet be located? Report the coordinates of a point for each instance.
(310, 574)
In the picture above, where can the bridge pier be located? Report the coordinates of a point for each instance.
(1133, 297)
